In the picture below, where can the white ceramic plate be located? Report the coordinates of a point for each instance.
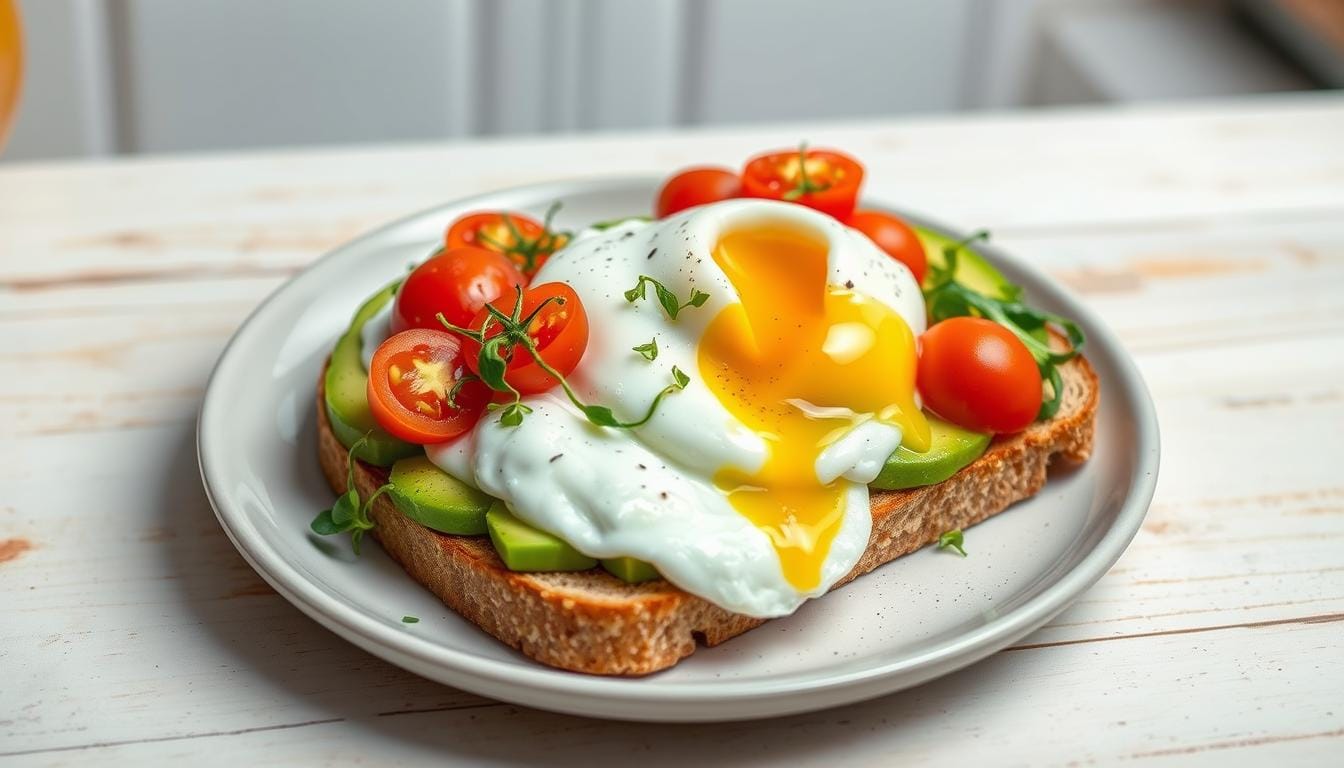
(910, 621)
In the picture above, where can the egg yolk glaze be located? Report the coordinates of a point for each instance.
(801, 363)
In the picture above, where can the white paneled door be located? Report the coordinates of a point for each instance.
(180, 75)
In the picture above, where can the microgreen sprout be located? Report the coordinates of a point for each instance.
(953, 539)
(671, 304)
(349, 513)
(648, 351)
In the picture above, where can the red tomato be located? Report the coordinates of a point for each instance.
(457, 282)
(977, 374)
(527, 243)
(411, 379)
(894, 236)
(696, 186)
(822, 179)
(559, 331)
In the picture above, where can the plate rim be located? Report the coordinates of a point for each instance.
(534, 684)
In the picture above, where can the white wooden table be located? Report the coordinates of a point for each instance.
(1211, 238)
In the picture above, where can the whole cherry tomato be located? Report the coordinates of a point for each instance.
(894, 236)
(975, 373)
(415, 390)
(456, 282)
(818, 178)
(696, 186)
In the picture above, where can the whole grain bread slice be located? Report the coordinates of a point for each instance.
(590, 621)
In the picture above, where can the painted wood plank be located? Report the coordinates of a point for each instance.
(1077, 169)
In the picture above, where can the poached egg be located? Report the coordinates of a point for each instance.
(749, 487)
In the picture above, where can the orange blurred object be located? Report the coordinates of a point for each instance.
(11, 66)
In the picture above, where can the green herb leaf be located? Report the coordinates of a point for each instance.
(323, 525)
(680, 377)
(410, 620)
(650, 350)
(600, 415)
(491, 365)
(952, 539)
(345, 509)
(636, 293)
(356, 536)
(669, 301)
(512, 414)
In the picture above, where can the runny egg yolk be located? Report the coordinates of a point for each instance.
(801, 362)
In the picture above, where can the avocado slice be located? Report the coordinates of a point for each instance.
(951, 449)
(347, 392)
(524, 548)
(973, 270)
(437, 500)
(630, 570)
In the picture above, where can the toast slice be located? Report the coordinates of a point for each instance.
(590, 621)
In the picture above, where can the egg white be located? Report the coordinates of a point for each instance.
(647, 493)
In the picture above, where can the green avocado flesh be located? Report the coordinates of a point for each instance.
(952, 448)
(973, 271)
(347, 392)
(630, 570)
(524, 548)
(436, 500)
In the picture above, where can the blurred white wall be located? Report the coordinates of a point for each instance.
(128, 76)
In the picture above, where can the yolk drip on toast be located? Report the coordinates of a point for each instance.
(801, 362)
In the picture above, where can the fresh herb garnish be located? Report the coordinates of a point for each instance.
(650, 350)
(671, 304)
(523, 251)
(680, 377)
(410, 620)
(349, 513)
(945, 297)
(609, 223)
(492, 364)
(952, 539)
(805, 185)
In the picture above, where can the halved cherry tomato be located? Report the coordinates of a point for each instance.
(457, 282)
(894, 236)
(559, 331)
(975, 373)
(696, 186)
(526, 241)
(411, 387)
(818, 178)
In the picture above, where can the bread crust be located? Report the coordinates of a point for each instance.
(592, 622)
